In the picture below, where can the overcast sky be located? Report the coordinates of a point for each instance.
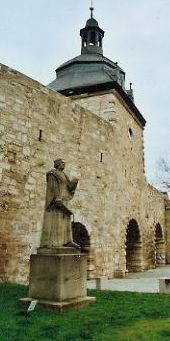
(36, 36)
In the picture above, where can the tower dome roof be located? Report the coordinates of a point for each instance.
(91, 67)
(91, 71)
(92, 23)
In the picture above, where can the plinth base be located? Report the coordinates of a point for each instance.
(60, 307)
(57, 277)
(62, 250)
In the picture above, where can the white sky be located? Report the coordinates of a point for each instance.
(36, 36)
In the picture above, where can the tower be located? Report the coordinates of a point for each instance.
(91, 68)
(92, 36)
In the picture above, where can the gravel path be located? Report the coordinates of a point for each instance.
(146, 281)
(163, 271)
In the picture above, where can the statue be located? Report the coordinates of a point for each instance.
(58, 272)
(57, 230)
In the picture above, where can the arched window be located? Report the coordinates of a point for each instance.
(84, 41)
(92, 38)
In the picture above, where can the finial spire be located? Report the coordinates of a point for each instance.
(92, 8)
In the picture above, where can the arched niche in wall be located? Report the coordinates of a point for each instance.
(82, 238)
(159, 245)
(134, 254)
(3, 258)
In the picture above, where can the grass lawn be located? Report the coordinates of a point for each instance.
(114, 316)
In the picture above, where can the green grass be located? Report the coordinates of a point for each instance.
(115, 316)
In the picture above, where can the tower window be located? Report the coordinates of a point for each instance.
(85, 40)
(92, 38)
(100, 40)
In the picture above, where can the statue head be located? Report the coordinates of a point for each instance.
(59, 164)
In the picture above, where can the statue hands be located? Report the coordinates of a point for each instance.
(72, 185)
(75, 181)
(58, 204)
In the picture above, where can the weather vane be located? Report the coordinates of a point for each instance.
(92, 8)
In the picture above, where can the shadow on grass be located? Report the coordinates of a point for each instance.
(165, 333)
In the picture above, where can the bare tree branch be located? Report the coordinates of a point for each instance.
(163, 170)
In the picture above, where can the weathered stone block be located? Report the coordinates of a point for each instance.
(57, 277)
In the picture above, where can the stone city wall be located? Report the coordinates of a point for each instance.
(37, 126)
(134, 197)
(167, 217)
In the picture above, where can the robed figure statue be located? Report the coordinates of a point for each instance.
(57, 230)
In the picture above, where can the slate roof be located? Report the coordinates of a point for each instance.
(91, 71)
(86, 70)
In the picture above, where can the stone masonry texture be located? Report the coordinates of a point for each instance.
(102, 144)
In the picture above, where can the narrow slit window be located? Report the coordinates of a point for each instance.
(130, 133)
(40, 135)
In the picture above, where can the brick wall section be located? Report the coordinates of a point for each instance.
(109, 193)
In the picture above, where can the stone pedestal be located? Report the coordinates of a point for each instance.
(58, 278)
(164, 286)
